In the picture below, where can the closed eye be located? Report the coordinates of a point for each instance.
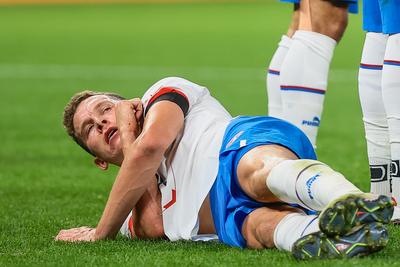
(106, 109)
(88, 129)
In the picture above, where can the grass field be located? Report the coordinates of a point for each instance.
(50, 52)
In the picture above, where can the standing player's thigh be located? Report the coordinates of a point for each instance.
(390, 13)
(254, 168)
(325, 17)
(372, 21)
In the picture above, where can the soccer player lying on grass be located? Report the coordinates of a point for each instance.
(253, 181)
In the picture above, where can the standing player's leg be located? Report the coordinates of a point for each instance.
(390, 11)
(370, 91)
(273, 72)
(304, 72)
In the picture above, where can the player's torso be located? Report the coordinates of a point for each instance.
(191, 163)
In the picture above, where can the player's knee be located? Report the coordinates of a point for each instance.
(265, 231)
(262, 237)
(252, 174)
(330, 20)
(261, 224)
(334, 29)
(258, 229)
(337, 29)
(155, 232)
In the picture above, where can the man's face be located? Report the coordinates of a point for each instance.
(95, 125)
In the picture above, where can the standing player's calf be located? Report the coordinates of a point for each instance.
(379, 83)
(298, 73)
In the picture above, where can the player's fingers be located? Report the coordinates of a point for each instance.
(125, 112)
(137, 104)
(71, 232)
(62, 237)
(137, 107)
(63, 234)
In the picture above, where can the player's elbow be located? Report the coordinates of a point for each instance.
(155, 231)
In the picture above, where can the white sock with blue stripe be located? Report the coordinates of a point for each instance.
(273, 81)
(308, 183)
(391, 99)
(292, 227)
(304, 79)
(374, 115)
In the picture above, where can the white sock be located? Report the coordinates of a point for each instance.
(292, 227)
(374, 115)
(391, 99)
(273, 81)
(304, 79)
(308, 183)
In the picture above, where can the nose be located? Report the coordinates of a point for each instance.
(100, 123)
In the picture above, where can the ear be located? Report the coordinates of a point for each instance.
(101, 164)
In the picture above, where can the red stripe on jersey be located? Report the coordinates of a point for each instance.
(165, 90)
(130, 227)
(172, 201)
(394, 202)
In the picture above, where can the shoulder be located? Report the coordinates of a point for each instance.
(191, 90)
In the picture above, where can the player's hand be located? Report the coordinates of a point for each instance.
(80, 234)
(129, 115)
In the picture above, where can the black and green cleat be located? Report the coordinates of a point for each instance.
(364, 240)
(349, 211)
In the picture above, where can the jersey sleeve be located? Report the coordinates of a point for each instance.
(178, 90)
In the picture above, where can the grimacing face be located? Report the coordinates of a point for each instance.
(95, 125)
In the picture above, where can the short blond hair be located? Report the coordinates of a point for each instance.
(70, 110)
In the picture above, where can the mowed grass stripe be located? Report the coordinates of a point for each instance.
(53, 71)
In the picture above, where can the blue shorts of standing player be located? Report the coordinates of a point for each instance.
(381, 16)
(352, 4)
(229, 203)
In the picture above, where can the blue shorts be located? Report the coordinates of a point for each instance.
(381, 16)
(229, 204)
(353, 4)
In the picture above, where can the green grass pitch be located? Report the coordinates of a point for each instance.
(49, 52)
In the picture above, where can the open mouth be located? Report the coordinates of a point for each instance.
(109, 134)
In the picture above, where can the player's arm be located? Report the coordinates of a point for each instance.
(142, 157)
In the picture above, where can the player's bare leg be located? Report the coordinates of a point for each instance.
(272, 173)
(256, 165)
(329, 18)
(259, 227)
(290, 229)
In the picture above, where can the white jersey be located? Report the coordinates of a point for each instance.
(190, 166)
